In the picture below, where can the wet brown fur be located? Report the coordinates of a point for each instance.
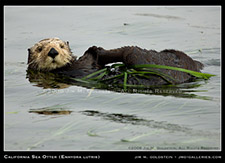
(38, 55)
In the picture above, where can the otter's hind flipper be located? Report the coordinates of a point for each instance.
(199, 65)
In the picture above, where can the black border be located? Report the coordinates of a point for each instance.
(114, 155)
(101, 2)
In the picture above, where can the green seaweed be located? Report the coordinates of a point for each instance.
(125, 81)
(143, 70)
(193, 73)
(117, 78)
(94, 74)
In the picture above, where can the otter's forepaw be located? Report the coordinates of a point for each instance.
(94, 50)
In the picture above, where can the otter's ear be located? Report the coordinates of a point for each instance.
(29, 56)
(29, 51)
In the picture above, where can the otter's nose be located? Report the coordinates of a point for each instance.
(53, 53)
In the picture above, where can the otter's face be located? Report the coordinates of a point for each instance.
(49, 54)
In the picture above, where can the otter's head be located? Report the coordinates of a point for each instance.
(49, 54)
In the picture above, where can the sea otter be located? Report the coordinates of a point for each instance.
(55, 56)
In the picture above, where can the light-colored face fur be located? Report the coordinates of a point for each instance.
(39, 58)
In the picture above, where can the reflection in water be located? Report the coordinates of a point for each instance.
(45, 80)
(54, 81)
(134, 120)
(50, 111)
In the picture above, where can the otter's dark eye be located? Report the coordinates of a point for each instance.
(61, 46)
(39, 49)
